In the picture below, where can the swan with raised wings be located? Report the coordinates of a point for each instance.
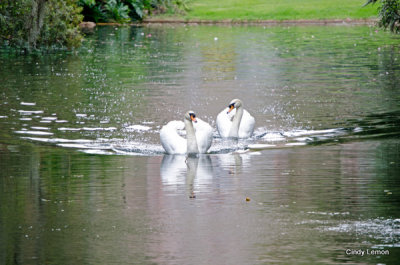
(235, 121)
(198, 136)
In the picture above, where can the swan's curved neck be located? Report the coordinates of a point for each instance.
(192, 147)
(234, 131)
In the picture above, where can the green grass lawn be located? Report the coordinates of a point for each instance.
(279, 9)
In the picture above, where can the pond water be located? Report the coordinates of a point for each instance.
(84, 178)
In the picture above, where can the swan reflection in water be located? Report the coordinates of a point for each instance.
(194, 172)
(234, 162)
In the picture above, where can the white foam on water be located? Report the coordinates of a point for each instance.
(329, 213)
(137, 148)
(395, 245)
(77, 146)
(223, 146)
(358, 129)
(148, 122)
(150, 145)
(138, 128)
(99, 129)
(88, 129)
(30, 112)
(383, 229)
(295, 144)
(303, 139)
(28, 103)
(297, 133)
(40, 128)
(58, 140)
(49, 118)
(260, 146)
(96, 152)
(296, 137)
(33, 132)
(69, 129)
(273, 137)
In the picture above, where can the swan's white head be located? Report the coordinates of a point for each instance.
(236, 103)
(190, 116)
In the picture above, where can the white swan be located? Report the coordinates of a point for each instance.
(198, 136)
(235, 121)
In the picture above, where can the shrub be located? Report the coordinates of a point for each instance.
(60, 27)
(389, 14)
(92, 11)
(12, 22)
(117, 11)
(126, 10)
(34, 24)
(139, 8)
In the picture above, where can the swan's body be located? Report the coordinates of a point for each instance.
(198, 136)
(235, 121)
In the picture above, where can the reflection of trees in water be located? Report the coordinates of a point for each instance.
(49, 203)
(218, 61)
(388, 75)
(325, 71)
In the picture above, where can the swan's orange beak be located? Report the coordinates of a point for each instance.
(231, 107)
(193, 118)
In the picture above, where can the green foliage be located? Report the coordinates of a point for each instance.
(13, 18)
(126, 10)
(182, 5)
(92, 11)
(58, 28)
(389, 14)
(172, 6)
(117, 11)
(139, 8)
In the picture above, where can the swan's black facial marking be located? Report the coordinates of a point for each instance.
(231, 107)
(193, 116)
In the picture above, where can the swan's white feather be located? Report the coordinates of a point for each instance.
(204, 135)
(173, 143)
(246, 128)
(224, 123)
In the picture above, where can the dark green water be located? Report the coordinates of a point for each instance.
(85, 180)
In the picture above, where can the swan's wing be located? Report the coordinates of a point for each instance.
(224, 122)
(204, 135)
(172, 142)
(246, 128)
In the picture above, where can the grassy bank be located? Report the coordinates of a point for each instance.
(276, 10)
